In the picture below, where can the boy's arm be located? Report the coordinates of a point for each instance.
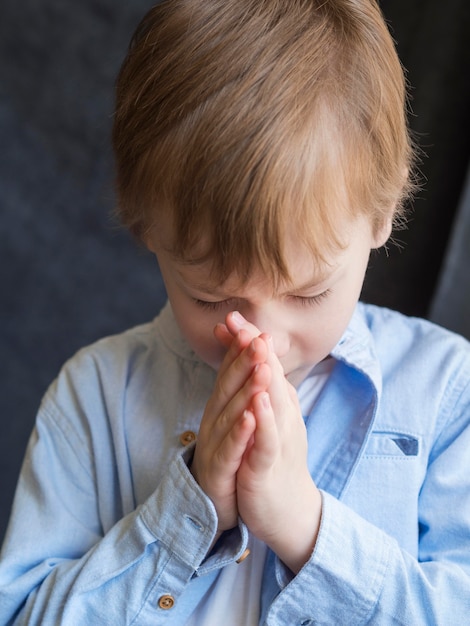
(355, 573)
(359, 574)
(58, 565)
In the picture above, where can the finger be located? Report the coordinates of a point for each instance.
(225, 438)
(266, 440)
(238, 343)
(230, 381)
(223, 335)
(235, 322)
(228, 423)
(258, 381)
(215, 470)
(241, 338)
(236, 328)
(233, 446)
(279, 392)
(244, 354)
(221, 462)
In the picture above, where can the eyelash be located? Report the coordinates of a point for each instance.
(211, 306)
(312, 300)
(300, 300)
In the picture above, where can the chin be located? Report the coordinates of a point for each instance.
(298, 375)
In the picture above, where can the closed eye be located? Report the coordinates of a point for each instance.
(218, 305)
(212, 306)
(311, 300)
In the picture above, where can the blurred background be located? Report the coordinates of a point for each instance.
(69, 275)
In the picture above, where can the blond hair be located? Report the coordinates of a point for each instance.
(243, 119)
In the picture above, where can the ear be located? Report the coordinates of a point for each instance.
(382, 232)
(149, 244)
(148, 239)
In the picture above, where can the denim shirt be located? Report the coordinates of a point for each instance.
(109, 527)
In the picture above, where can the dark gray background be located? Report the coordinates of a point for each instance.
(69, 275)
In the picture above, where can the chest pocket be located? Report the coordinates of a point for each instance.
(392, 444)
(386, 484)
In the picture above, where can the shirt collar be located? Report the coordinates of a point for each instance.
(169, 331)
(356, 348)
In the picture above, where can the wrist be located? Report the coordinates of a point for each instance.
(295, 543)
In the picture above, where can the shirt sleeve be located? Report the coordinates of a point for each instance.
(59, 566)
(359, 575)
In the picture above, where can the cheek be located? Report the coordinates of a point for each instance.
(324, 331)
(320, 343)
(199, 333)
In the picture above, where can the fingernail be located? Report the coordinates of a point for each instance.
(238, 318)
(265, 400)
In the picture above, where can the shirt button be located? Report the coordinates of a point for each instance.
(187, 437)
(166, 602)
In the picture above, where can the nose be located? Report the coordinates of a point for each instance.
(268, 320)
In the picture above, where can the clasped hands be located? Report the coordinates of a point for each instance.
(251, 452)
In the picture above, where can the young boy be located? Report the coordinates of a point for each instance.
(267, 450)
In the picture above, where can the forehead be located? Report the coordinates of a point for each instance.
(304, 272)
(303, 265)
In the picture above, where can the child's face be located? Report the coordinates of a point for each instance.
(306, 319)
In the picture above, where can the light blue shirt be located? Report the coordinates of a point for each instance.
(108, 520)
